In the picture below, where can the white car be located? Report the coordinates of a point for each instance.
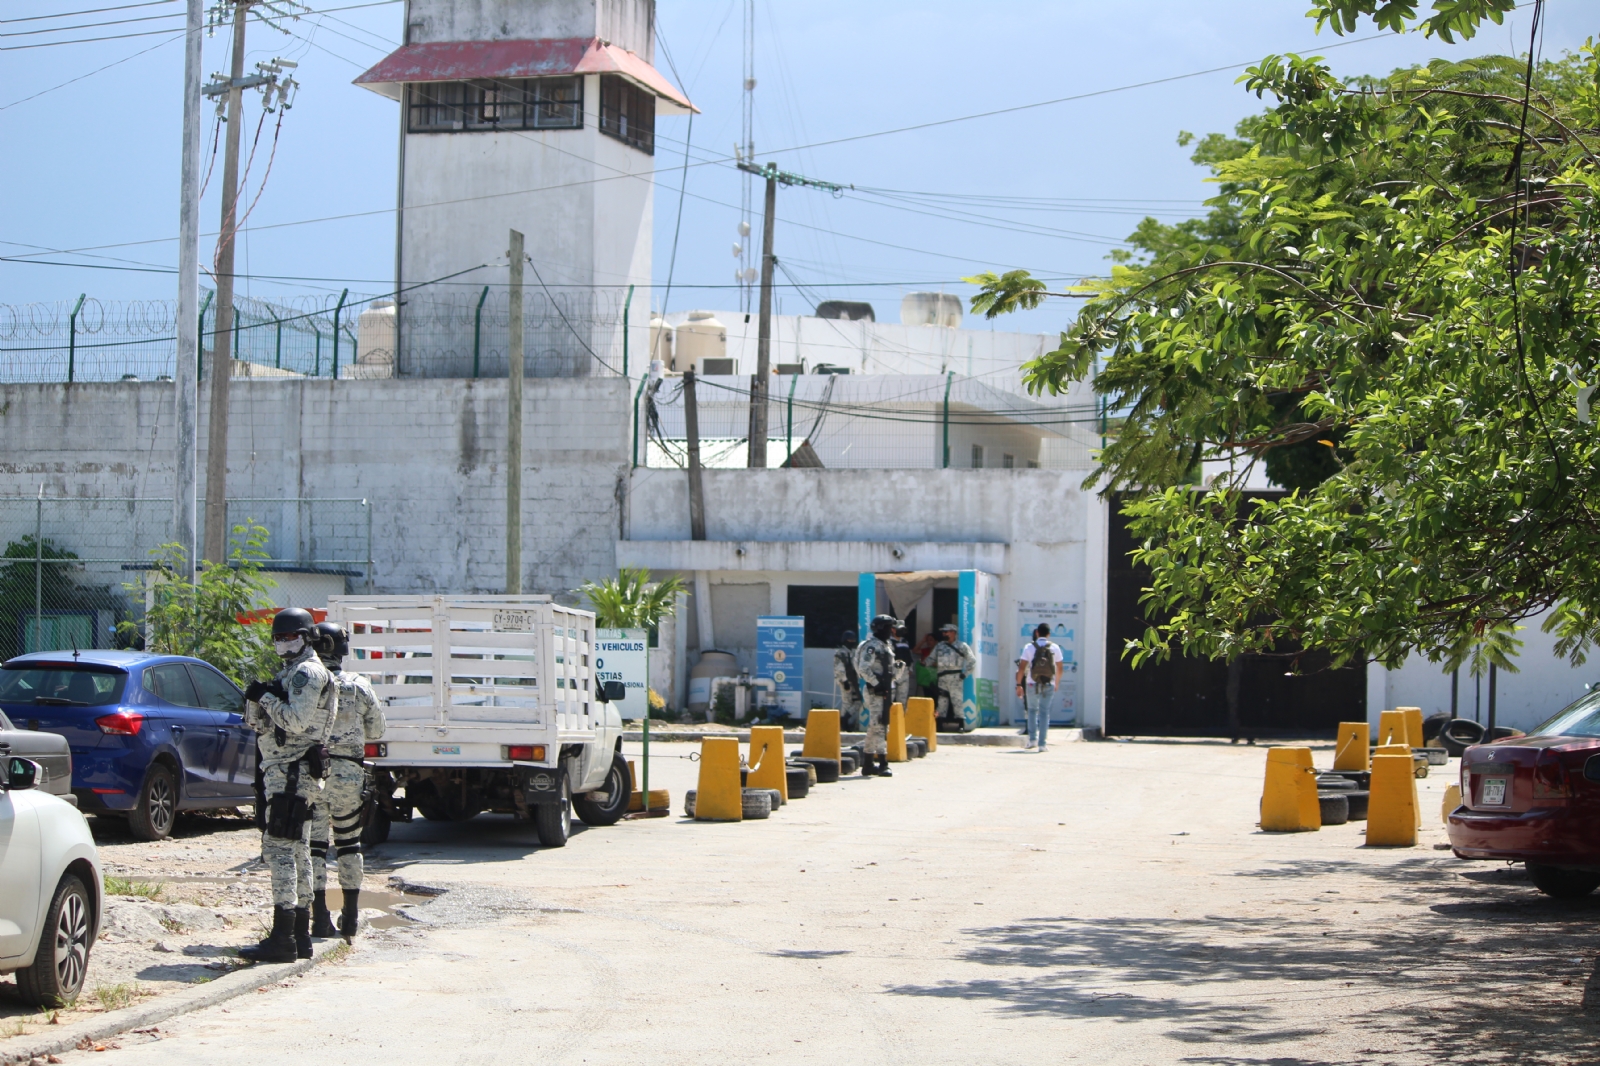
(50, 888)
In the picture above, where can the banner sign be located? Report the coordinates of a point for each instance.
(1062, 618)
(624, 655)
(781, 655)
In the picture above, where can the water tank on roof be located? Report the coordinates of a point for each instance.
(851, 310)
(375, 338)
(702, 338)
(930, 309)
(661, 341)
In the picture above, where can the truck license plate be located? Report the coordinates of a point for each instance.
(1494, 792)
(447, 749)
(515, 621)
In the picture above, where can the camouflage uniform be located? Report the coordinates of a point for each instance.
(874, 659)
(338, 807)
(844, 666)
(285, 731)
(953, 662)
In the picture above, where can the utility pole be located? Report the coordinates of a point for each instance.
(514, 427)
(216, 544)
(758, 388)
(691, 423)
(185, 489)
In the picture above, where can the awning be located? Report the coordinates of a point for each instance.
(547, 57)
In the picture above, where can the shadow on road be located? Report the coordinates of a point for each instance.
(1482, 970)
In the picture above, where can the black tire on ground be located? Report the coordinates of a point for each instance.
(1563, 884)
(376, 831)
(157, 808)
(1459, 734)
(848, 764)
(757, 803)
(553, 821)
(799, 779)
(1335, 807)
(827, 769)
(611, 810)
(1358, 804)
(56, 976)
(917, 748)
(1501, 732)
(688, 803)
(1334, 783)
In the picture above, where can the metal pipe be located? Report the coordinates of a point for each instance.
(316, 366)
(477, 329)
(277, 343)
(38, 570)
(72, 336)
(626, 304)
(949, 379)
(636, 395)
(517, 367)
(199, 351)
(337, 308)
(794, 379)
(758, 387)
(367, 504)
(186, 368)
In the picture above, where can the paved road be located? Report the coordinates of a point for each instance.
(1098, 903)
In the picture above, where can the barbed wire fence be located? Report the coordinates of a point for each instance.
(67, 563)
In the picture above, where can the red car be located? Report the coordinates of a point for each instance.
(1536, 799)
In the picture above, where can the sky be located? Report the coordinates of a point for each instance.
(89, 169)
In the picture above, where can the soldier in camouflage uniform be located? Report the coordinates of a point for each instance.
(952, 660)
(902, 666)
(291, 714)
(844, 675)
(338, 807)
(875, 665)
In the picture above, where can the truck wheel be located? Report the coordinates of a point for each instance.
(553, 821)
(1563, 884)
(56, 976)
(610, 810)
(376, 831)
(152, 817)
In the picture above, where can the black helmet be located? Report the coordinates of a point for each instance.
(333, 643)
(850, 637)
(293, 622)
(883, 626)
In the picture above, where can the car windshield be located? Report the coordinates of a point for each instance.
(61, 686)
(1580, 718)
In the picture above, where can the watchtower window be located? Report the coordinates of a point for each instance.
(496, 104)
(628, 113)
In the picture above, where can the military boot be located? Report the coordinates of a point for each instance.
(302, 932)
(883, 767)
(321, 918)
(278, 946)
(350, 916)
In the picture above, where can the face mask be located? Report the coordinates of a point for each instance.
(286, 648)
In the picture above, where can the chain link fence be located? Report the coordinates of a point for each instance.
(879, 422)
(66, 563)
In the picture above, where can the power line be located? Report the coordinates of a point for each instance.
(87, 11)
(72, 81)
(84, 40)
(93, 25)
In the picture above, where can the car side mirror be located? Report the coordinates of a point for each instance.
(611, 691)
(21, 773)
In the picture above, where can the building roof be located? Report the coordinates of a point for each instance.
(546, 57)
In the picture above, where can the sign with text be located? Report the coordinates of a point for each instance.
(624, 655)
(781, 655)
(978, 615)
(1062, 618)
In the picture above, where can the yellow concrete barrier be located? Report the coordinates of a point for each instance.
(1392, 728)
(1413, 717)
(822, 735)
(1353, 749)
(897, 733)
(920, 721)
(719, 798)
(1289, 796)
(1392, 808)
(1452, 800)
(767, 768)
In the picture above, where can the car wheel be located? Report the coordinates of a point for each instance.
(610, 810)
(56, 976)
(152, 817)
(1563, 884)
(376, 831)
(553, 821)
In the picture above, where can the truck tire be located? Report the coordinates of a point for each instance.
(56, 976)
(157, 808)
(799, 780)
(611, 810)
(553, 821)
(1563, 884)
(376, 831)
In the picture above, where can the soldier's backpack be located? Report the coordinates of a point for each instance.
(1043, 667)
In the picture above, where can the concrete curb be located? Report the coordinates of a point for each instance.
(245, 979)
(986, 740)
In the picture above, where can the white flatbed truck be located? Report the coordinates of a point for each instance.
(491, 706)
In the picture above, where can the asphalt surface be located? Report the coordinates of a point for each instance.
(1102, 903)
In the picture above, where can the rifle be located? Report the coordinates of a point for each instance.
(885, 687)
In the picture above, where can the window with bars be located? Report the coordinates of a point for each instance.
(628, 113)
(496, 104)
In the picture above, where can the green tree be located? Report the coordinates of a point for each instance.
(1392, 303)
(208, 618)
(46, 578)
(630, 601)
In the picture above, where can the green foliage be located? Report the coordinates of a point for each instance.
(201, 618)
(1394, 301)
(1450, 18)
(58, 591)
(630, 601)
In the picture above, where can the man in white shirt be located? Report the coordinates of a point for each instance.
(1039, 672)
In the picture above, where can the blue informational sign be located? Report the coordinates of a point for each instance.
(781, 656)
(866, 603)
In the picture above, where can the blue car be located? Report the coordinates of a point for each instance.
(151, 735)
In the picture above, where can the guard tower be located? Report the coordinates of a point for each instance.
(534, 115)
